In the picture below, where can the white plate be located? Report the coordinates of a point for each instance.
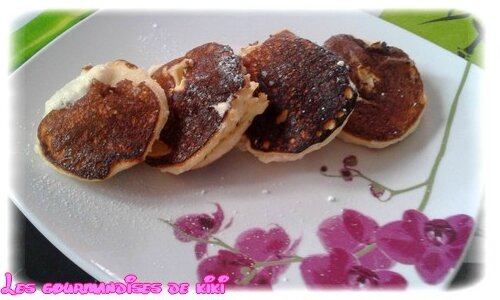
(112, 228)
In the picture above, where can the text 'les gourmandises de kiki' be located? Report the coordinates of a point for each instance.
(210, 285)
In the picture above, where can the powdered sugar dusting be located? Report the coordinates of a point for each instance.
(229, 68)
(221, 108)
(225, 66)
(221, 63)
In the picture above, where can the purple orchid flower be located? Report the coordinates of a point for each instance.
(353, 231)
(352, 261)
(199, 226)
(341, 269)
(433, 246)
(252, 246)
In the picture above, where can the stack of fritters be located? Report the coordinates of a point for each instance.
(283, 98)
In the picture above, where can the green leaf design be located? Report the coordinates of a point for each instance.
(456, 31)
(45, 27)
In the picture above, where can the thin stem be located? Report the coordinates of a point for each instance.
(411, 188)
(365, 250)
(337, 176)
(246, 280)
(392, 192)
(213, 240)
(373, 181)
(259, 265)
(219, 242)
(187, 236)
(444, 142)
(273, 263)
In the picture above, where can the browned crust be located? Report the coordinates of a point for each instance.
(308, 90)
(213, 76)
(106, 127)
(392, 106)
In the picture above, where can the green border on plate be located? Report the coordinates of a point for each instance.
(36, 34)
(456, 31)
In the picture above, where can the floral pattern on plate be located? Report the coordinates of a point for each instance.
(359, 252)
